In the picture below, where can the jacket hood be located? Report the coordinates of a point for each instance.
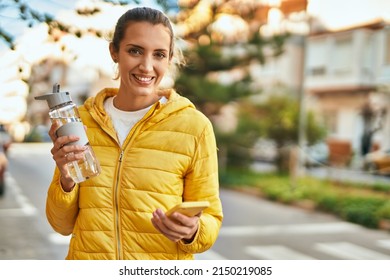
(175, 102)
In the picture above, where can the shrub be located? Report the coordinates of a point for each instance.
(364, 205)
(329, 203)
(384, 211)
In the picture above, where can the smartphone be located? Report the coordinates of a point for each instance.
(189, 208)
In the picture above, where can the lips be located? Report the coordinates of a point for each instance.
(143, 79)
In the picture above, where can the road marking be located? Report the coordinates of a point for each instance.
(26, 208)
(59, 239)
(384, 243)
(323, 228)
(349, 251)
(275, 252)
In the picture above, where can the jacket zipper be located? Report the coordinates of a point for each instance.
(118, 237)
(133, 132)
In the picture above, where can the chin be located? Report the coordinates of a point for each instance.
(144, 92)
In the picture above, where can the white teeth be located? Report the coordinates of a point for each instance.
(143, 79)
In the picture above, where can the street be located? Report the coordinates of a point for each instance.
(26, 233)
(253, 228)
(258, 229)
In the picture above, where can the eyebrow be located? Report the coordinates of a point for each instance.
(137, 46)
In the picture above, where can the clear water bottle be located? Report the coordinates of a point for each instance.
(65, 114)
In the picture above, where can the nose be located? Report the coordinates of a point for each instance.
(146, 64)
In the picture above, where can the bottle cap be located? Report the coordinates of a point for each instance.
(56, 97)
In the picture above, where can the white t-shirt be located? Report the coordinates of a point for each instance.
(123, 121)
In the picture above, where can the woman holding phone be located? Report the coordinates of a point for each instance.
(156, 150)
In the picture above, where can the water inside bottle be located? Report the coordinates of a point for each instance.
(64, 113)
(60, 121)
(83, 169)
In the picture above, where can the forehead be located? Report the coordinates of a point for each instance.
(146, 34)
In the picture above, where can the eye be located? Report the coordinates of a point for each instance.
(134, 51)
(160, 55)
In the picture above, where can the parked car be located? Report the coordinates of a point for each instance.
(316, 155)
(5, 139)
(378, 162)
(3, 168)
(265, 150)
(5, 142)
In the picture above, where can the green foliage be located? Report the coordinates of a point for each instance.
(239, 143)
(384, 211)
(361, 210)
(209, 54)
(353, 202)
(239, 177)
(356, 209)
(207, 58)
(328, 203)
(380, 187)
(277, 118)
(280, 120)
(202, 92)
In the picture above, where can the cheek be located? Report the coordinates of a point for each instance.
(162, 68)
(127, 63)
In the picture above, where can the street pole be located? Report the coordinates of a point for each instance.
(302, 114)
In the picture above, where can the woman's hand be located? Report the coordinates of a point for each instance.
(177, 226)
(63, 154)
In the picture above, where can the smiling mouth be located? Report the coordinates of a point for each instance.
(143, 79)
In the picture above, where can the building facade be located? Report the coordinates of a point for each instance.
(347, 78)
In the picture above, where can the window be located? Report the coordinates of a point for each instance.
(317, 58)
(369, 56)
(317, 71)
(342, 56)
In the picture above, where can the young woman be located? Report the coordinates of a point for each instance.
(155, 149)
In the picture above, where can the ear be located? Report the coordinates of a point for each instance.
(113, 53)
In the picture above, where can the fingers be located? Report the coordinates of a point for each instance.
(62, 147)
(64, 152)
(52, 132)
(177, 226)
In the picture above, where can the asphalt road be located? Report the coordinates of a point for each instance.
(253, 228)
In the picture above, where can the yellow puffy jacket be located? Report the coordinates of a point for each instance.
(168, 157)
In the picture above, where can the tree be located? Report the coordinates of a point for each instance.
(31, 17)
(223, 41)
(279, 116)
(213, 52)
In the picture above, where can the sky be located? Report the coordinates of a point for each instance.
(338, 14)
(91, 51)
(333, 13)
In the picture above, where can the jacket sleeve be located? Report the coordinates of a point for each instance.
(201, 183)
(61, 207)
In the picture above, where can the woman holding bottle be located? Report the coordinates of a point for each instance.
(155, 151)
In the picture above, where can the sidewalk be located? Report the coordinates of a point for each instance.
(347, 175)
(342, 174)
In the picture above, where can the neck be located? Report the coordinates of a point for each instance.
(125, 103)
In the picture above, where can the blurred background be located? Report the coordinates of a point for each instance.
(298, 92)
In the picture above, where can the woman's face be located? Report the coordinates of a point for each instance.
(143, 57)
